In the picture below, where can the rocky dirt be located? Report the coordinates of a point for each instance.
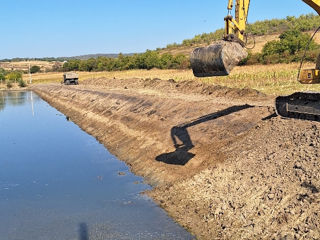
(223, 165)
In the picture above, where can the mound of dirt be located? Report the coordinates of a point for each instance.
(188, 87)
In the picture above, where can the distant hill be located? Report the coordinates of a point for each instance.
(61, 59)
(259, 32)
(108, 55)
(49, 63)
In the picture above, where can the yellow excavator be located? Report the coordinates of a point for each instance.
(221, 57)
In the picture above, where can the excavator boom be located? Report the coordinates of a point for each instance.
(315, 4)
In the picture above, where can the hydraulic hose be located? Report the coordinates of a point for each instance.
(305, 52)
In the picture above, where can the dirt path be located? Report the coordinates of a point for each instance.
(224, 167)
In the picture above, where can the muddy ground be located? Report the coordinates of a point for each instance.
(223, 165)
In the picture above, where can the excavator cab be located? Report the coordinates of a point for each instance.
(309, 76)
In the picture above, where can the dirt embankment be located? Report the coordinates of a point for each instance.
(224, 166)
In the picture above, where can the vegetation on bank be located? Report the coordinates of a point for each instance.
(11, 78)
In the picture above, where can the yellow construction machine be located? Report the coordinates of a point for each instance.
(221, 57)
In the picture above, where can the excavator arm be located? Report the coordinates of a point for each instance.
(221, 57)
(235, 27)
(315, 4)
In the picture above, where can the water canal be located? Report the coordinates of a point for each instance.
(57, 182)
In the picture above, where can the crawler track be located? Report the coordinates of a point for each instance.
(300, 105)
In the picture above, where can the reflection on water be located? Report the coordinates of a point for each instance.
(2, 100)
(57, 182)
(14, 98)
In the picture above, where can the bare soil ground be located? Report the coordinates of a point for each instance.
(223, 165)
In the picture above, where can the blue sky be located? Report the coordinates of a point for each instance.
(44, 28)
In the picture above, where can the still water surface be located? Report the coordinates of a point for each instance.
(57, 182)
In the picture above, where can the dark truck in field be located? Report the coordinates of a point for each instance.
(70, 78)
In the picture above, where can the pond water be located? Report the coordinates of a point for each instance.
(58, 182)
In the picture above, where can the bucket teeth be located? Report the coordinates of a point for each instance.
(217, 59)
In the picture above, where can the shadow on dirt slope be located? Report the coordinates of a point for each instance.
(181, 155)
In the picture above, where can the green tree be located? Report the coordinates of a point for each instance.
(2, 75)
(165, 61)
(14, 76)
(180, 61)
(2, 78)
(22, 83)
(272, 47)
(152, 59)
(294, 41)
(71, 65)
(34, 69)
(291, 42)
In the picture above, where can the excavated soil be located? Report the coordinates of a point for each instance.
(223, 165)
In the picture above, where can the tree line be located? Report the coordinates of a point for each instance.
(147, 60)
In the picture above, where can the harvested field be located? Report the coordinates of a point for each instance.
(277, 79)
(24, 65)
(223, 165)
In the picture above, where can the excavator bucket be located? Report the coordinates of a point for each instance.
(217, 59)
(299, 105)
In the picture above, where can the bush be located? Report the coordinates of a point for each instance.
(22, 83)
(9, 84)
(14, 76)
(34, 69)
(294, 41)
(2, 74)
(287, 48)
(2, 77)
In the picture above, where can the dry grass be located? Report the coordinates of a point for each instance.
(24, 65)
(3, 86)
(271, 79)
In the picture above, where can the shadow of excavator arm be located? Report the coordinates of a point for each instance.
(181, 155)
